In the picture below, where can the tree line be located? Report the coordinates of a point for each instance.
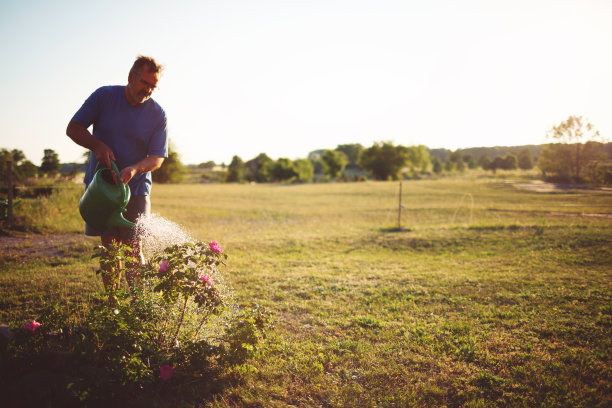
(24, 169)
(351, 162)
(381, 161)
(577, 154)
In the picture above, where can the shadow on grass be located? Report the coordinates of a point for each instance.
(47, 385)
(395, 229)
(479, 237)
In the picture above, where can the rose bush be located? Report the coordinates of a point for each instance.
(180, 322)
(32, 326)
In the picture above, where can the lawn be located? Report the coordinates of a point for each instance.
(492, 296)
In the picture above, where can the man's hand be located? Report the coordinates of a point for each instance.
(127, 173)
(149, 163)
(104, 155)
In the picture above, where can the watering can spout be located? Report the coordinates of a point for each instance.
(116, 219)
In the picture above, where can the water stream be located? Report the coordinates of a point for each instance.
(157, 233)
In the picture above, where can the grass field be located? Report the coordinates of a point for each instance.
(495, 297)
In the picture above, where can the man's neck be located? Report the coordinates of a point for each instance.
(128, 97)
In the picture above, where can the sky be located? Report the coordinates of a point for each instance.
(286, 77)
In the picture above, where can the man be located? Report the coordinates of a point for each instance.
(129, 128)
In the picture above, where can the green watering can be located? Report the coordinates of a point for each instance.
(104, 202)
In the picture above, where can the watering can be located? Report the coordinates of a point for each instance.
(104, 201)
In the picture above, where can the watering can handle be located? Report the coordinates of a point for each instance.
(116, 170)
(123, 186)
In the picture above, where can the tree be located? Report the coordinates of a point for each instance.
(471, 162)
(304, 170)
(235, 170)
(525, 161)
(255, 168)
(574, 130)
(460, 166)
(558, 160)
(449, 165)
(436, 165)
(317, 165)
(282, 169)
(384, 160)
(455, 156)
(571, 154)
(333, 162)
(26, 170)
(484, 162)
(461, 160)
(441, 154)
(22, 168)
(510, 162)
(352, 152)
(599, 173)
(315, 154)
(171, 170)
(497, 163)
(209, 165)
(17, 156)
(417, 158)
(86, 156)
(50, 163)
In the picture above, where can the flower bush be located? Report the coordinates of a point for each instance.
(180, 322)
(32, 326)
(214, 246)
(166, 371)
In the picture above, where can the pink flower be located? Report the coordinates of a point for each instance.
(163, 267)
(32, 326)
(214, 246)
(166, 371)
(206, 279)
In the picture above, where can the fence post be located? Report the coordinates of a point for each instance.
(399, 209)
(9, 193)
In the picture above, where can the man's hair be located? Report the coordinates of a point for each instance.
(148, 62)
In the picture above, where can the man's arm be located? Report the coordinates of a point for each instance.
(149, 163)
(81, 136)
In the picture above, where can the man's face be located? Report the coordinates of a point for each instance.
(141, 85)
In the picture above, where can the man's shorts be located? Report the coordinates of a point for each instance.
(138, 205)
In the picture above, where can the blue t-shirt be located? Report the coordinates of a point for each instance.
(131, 132)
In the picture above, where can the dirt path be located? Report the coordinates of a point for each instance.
(26, 247)
(546, 187)
(555, 213)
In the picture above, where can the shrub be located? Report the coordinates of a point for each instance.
(180, 324)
